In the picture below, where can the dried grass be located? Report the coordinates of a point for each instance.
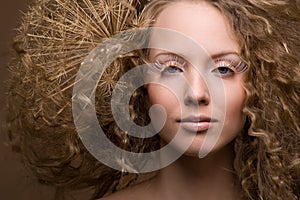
(52, 41)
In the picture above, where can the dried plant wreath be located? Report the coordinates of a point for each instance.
(56, 35)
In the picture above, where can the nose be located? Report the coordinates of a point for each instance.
(197, 92)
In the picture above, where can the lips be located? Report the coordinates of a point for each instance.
(196, 124)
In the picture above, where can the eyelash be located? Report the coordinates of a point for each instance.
(172, 62)
(176, 62)
(234, 66)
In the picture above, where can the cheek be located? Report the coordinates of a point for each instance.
(164, 97)
(235, 101)
(161, 95)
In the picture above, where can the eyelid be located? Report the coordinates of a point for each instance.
(163, 61)
(236, 66)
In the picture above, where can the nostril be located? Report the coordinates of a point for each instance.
(204, 101)
(194, 100)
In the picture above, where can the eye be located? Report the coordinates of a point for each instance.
(225, 68)
(172, 69)
(170, 64)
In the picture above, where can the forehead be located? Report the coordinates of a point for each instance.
(202, 22)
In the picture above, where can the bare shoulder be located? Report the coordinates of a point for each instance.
(142, 191)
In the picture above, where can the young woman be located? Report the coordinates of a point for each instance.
(255, 51)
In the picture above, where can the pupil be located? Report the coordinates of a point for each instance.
(223, 70)
(172, 69)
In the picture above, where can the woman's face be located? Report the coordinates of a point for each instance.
(192, 109)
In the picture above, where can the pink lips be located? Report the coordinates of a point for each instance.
(196, 124)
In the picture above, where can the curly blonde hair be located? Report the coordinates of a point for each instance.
(56, 36)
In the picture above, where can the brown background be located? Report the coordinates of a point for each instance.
(15, 182)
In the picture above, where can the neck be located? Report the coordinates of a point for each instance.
(210, 178)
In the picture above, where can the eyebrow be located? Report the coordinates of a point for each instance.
(213, 56)
(225, 53)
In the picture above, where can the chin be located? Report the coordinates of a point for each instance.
(193, 150)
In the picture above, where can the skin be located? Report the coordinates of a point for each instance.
(212, 177)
